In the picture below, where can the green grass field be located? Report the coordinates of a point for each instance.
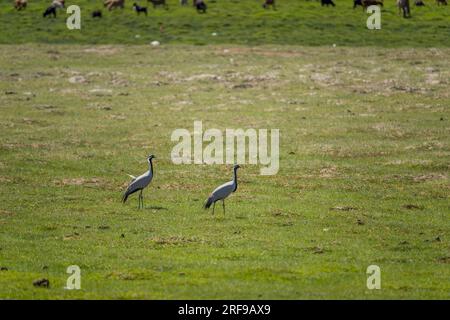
(243, 22)
(363, 172)
(364, 152)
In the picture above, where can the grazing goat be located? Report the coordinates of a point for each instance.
(327, 3)
(269, 3)
(110, 4)
(443, 2)
(20, 4)
(419, 3)
(403, 5)
(139, 9)
(200, 5)
(96, 14)
(158, 3)
(50, 10)
(368, 3)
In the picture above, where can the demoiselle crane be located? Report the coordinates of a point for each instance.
(140, 183)
(223, 191)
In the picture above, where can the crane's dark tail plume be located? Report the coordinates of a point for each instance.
(127, 194)
(208, 203)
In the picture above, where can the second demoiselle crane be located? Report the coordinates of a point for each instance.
(140, 183)
(223, 191)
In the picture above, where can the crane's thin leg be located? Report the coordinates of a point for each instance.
(214, 205)
(223, 204)
(141, 200)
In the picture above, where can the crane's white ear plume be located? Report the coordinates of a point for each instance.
(132, 177)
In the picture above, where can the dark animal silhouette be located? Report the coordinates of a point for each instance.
(50, 10)
(419, 3)
(96, 14)
(327, 3)
(200, 5)
(443, 2)
(403, 5)
(269, 3)
(368, 3)
(139, 9)
(357, 3)
(157, 3)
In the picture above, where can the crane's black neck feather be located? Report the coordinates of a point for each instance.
(151, 165)
(235, 180)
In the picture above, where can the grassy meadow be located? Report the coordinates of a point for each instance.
(364, 162)
(242, 22)
(364, 152)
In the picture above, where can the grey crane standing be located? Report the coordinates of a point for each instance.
(140, 183)
(223, 191)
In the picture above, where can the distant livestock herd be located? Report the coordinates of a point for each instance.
(200, 5)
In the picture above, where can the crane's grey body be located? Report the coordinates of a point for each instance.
(223, 191)
(140, 183)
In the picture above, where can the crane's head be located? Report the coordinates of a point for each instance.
(150, 157)
(236, 166)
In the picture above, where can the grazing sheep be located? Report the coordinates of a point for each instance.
(96, 14)
(269, 3)
(110, 4)
(443, 2)
(20, 4)
(158, 3)
(139, 9)
(327, 3)
(200, 5)
(368, 3)
(403, 5)
(419, 3)
(50, 10)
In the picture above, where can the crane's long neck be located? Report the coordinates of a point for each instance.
(151, 166)
(235, 180)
